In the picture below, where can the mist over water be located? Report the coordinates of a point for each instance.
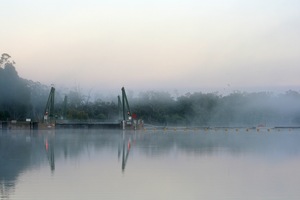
(154, 106)
(212, 85)
(152, 164)
(24, 99)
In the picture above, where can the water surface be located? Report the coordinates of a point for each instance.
(187, 164)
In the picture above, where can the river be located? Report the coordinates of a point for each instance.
(153, 164)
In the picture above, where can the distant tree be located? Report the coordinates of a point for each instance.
(4, 59)
(15, 95)
(198, 108)
(154, 106)
(19, 98)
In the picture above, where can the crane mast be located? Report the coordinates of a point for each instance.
(49, 109)
(126, 108)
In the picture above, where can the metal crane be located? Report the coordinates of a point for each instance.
(49, 109)
(126, 108)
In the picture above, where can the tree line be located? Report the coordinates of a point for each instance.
(195, 109)
(213, 109)
(21, 99)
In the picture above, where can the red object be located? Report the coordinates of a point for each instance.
(128, 145)
(46, 145)
(134, 116)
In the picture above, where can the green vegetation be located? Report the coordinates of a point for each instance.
(212, 109)
(21, 99)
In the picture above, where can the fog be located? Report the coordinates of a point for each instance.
(212, 109)
(183, 45)
(21, 98)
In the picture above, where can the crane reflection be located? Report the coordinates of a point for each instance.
(126, 147)
(49, 147)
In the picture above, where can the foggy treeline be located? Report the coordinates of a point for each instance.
(21, 99)
(213, 109)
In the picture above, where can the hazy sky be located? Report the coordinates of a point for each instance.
(157, 44)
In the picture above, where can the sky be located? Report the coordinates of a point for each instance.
(189, 45)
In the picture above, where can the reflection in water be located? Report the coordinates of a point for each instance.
(49, 147)
(236, 164)
(19, 152)
(13, 157)
(125, 152)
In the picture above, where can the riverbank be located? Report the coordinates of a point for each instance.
(24, 125)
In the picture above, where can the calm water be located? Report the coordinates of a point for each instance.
(106, 164)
